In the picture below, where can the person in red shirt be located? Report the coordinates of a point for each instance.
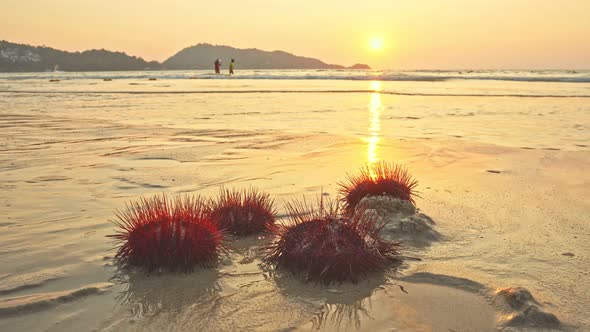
(218, 66)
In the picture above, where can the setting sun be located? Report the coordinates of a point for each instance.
(376, 44)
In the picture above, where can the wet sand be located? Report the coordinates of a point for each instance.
(509, 216)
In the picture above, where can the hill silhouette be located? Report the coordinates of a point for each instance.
(201, 56)
(25, 58)
(19, 57)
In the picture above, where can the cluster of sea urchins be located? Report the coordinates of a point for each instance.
(243, 212)
(182, 233)
(323, 243)
(160, 233)
(378, 179)
(327, 247)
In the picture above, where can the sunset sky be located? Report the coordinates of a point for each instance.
(420, 34)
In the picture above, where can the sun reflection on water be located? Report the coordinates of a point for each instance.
(375, 109)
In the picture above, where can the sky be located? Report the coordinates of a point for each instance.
(417, 34)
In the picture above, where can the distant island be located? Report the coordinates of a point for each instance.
(201, 56)
(25, 58)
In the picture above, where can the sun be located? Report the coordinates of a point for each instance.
(376, 43)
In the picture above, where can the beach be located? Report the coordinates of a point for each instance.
(501, 160)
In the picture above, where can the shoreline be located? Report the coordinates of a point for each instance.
(382, 92)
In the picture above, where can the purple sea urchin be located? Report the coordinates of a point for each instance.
(160, 233)
(379, 179)
(327, 247)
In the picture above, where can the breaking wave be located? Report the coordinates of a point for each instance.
(320, 74)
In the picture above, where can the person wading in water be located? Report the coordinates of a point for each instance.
(231, 67)
(217, 66)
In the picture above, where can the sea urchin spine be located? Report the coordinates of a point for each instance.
(157, 233)
(326, 247)
(379, 179)
(243, 212)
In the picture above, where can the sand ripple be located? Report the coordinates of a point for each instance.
(35, 302)
(14, 282)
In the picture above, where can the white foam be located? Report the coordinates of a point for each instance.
(348, 75)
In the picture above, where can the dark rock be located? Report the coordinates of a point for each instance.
(534, 316)
(528, 312)
(359, 66)
(517, 297)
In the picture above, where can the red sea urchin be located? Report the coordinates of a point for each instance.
(159, 233)
(243, 212)
(327, 247)
(379, 179)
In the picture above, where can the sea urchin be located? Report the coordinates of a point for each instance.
(326, 247)
(379, 179)
(159, 233)
(243, 212)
